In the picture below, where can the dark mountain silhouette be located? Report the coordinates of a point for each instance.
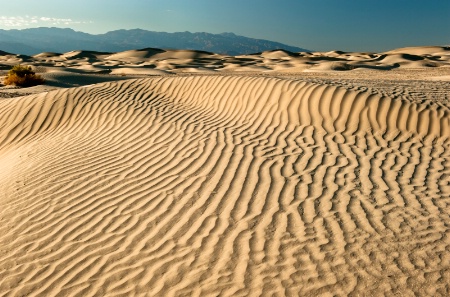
(37, 40)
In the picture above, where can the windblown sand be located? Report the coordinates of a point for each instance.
(228, 185)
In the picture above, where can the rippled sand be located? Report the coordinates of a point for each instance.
(228, 185)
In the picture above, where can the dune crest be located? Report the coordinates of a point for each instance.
(214, 185)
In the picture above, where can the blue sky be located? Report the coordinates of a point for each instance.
(359, 25)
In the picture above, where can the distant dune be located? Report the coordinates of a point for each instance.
(232, 183)
(153, 61)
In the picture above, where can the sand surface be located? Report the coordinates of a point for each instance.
(317, 183)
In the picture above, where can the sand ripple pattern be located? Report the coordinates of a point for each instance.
(223, 186)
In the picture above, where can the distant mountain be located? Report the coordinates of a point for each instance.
(37, 40)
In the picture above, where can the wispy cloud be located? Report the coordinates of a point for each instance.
(24, 21)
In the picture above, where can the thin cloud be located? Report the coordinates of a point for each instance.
(25, 21)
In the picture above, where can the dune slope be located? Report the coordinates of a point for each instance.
(230, 186)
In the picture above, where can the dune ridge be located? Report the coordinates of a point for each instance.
(215, 185)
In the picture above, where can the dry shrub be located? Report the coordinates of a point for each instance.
(23, 76)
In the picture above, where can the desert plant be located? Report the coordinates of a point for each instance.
(23, 76)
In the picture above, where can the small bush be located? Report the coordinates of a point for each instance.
(23, 76)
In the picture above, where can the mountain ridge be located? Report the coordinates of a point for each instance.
(50, 39)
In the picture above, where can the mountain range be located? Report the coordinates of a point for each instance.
(38, 40)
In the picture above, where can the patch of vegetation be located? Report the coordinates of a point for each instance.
(23, 76)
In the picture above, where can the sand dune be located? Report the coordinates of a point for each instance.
(134, 55)
(423, 50)
(185, 61)
(224, 186)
